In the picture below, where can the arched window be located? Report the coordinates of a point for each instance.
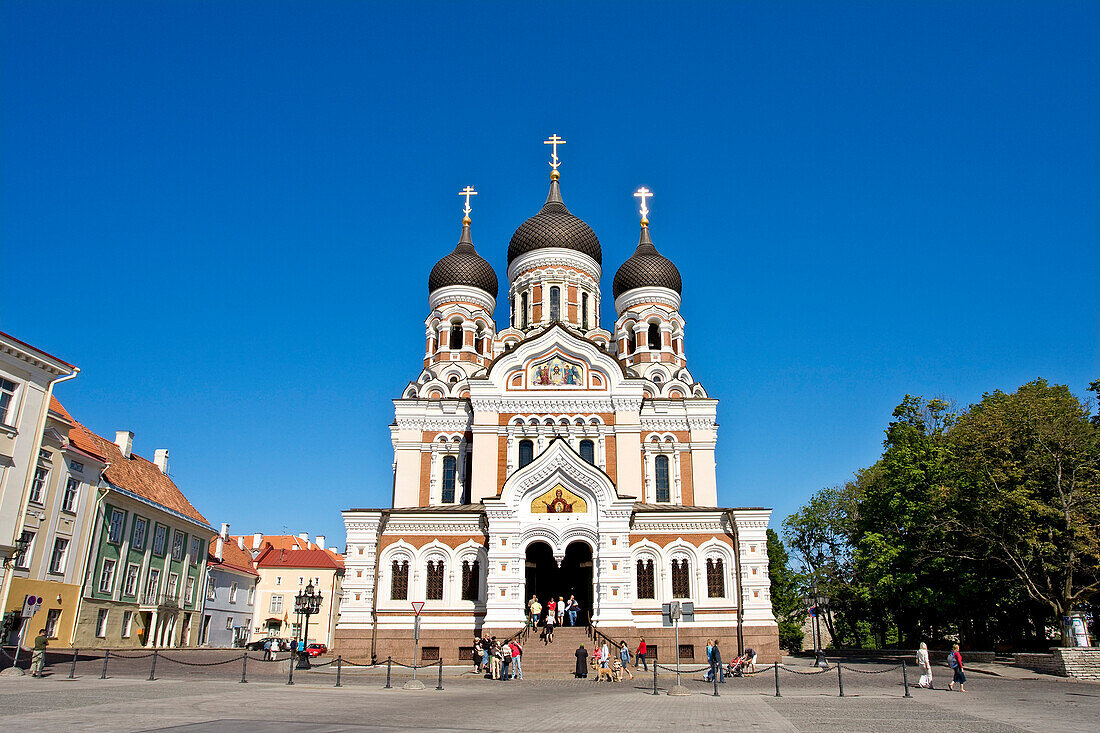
(681, 579)
(555, 304)
(466, 477)
(588, 451)
(645, 579)
(513, 312)
(660, 466)
(630, 343)
(716, 578)
(470, 580)
(523, 310)
(584, 311)
(526, 452)
(654, 337)
(399, 581)
(434, 589)
(450, 470)
(456, 336)
(477, 340)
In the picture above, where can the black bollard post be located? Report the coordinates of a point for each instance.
(389, 666)
(839, 679)
(654, 676)
(339, 666)
(153, 667)
(905, 678)
(244, 666)
(290, 679)
(106, 656)
(440, 685)
(776, 668)
(72, 668)
(715, 681)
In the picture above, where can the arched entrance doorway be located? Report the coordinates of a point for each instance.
(545, 579)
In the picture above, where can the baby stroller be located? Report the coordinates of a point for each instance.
(736, 668)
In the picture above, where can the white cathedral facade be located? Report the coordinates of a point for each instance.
(554, 457)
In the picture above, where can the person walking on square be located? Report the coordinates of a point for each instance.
(624, 657)
(536, 611)
(709, 674)
(716, 663)
(486, 651)
(640, 656)
(38, 659)
(267, 650)
(955, 662)
(548, 634)
(925, 665)
(517, 669)
(582, 662)
(561, 611)
(477, 654)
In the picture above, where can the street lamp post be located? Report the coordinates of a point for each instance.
(815, 602)
(306, 603)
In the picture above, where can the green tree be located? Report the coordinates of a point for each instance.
(1028, 487)
(786, 594)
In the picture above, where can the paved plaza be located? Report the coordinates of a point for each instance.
(211, 699)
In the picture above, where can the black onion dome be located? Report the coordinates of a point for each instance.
(646, 268)
(554, 226)
(463, 266)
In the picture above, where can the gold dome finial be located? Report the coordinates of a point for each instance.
(643, 193)
(467, 192)
(555, 161)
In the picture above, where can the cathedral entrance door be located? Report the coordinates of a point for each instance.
(546, 580)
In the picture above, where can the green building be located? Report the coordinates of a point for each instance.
(143, 586)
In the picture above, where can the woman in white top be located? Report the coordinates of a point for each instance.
(925, 666)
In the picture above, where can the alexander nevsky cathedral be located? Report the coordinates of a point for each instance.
(551, 456)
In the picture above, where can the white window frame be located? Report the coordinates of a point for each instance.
(133, 572)
(101, 623)
(173, 585)
(127, 623)
(12, 401)
(233, 592)
(196, 548)
(23, 559)
(38, 485)
(107, 575)
(211, 589)
(190, 592)
(152, 587)
(251, 594)
(228, 623)
(181, 545)
(60, 565)
(116, 526)
(53, 620)
(71, 495)
(144, 524)
(158, 539)
(271, 603)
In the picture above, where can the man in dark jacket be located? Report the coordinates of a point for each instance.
(716, 664)
(582, 662)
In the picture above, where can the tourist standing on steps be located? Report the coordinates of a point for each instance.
(506, 663)
(561, 611)
(548, 634)
(38, 659)
(925, 665)
(495, 659)
(624, 657)
(571, 607)
(640, 657)
(955, 662)
(582, 662)
(517, 669)
(532, 612)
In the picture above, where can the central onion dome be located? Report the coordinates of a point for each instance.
(463, 266)
(554, 226)
(646, 268)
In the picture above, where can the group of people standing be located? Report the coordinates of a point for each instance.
(557, 611)
(498, 660)
(602, 660)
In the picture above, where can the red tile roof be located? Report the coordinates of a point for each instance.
(233, 557)
(142, 477)
(287, 542)
(79, 435)
(271, 557)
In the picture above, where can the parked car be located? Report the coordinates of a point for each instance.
(316, 650)
(258, 645)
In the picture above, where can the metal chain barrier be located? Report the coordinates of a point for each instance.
(682, 670)
(201, 664)
(116, 655)
(785, 668)
(873, 671)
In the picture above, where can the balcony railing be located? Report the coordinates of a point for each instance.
(160, 598)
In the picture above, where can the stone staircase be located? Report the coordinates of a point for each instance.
(556, 660)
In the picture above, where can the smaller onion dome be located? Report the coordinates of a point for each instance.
(646, 268)
(463, 266)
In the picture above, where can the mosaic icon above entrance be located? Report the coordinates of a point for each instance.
(558, 500)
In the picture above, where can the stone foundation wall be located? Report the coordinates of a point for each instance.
(1079, 662)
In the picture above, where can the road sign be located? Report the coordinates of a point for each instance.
(31, 604)
(418, 606)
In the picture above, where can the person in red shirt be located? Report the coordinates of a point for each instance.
(641, 655)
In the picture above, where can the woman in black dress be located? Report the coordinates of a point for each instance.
(582, 662)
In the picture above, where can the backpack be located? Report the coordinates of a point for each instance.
(951, 660)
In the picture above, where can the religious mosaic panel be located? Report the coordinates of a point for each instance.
(558, 500)
(556, 372)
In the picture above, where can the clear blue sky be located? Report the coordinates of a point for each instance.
(225, 213)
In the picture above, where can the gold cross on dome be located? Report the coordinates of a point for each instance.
(555, 141)
(643, 193)
(467, 192)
